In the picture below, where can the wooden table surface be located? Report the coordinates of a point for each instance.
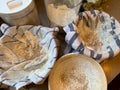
(111, 66)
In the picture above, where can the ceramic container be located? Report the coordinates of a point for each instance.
(19, 12)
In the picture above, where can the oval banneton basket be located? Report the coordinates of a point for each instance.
(77, 72)
(18, 74)
(93, 33)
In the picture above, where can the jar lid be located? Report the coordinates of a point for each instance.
(13, 6)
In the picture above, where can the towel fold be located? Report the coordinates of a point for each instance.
(95, 34)
(18, 72)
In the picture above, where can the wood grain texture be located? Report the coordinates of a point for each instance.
(112, 66)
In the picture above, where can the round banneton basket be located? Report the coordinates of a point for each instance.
(17, 72)
(95, 34)
(77, 72)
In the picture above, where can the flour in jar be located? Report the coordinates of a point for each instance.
(61, 15)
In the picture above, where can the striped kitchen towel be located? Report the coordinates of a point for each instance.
(93, 33)
(18, 73)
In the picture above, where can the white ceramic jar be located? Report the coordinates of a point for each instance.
(19, 12)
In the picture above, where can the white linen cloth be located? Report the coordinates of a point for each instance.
(109, 35)
(16, 75)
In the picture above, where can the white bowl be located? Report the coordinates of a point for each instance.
(94, 33)
(21, 73)
(77, 72)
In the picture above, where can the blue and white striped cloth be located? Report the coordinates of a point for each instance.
(112, 44)
(15, 75)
